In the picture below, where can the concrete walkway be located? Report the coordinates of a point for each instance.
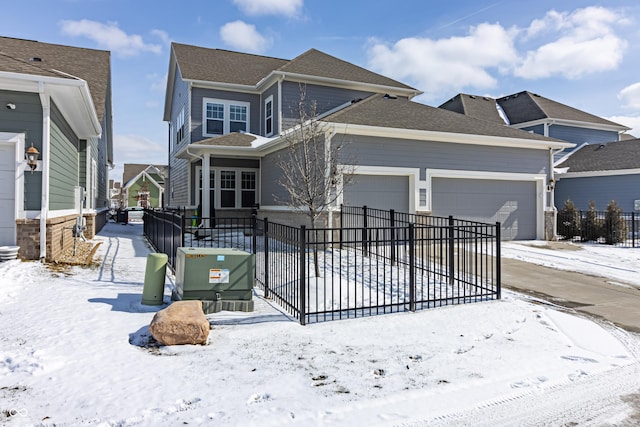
(616, 302)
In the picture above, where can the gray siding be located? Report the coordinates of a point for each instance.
(270, 190)
(372, 151)
(63, 164)
(26, 118)
(326, 98)
(197, 95)
(177, 183)
(581, 135)
(624, 189)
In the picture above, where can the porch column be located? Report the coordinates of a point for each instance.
(45, 100)
(206, 190)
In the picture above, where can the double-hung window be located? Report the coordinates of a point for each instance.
(268, 116)
(180, 126)
(222, 116)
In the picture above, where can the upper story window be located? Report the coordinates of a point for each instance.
(180, 126)
(268, 116)
(221, 117)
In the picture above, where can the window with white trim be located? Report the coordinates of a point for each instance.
(221, 117)
(237, 188)
(268, 116)
(180, 126)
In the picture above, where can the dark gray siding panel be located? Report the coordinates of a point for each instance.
(197, 95)
(624, 189)
(372, 151)
(512, 203)
(326, 98)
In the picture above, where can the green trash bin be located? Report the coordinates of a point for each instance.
(153, 290)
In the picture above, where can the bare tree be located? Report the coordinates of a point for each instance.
(313, 170)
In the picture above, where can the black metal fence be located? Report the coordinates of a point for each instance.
(376, 262)
(619, 229)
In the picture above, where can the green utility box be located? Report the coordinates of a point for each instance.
(222, 278)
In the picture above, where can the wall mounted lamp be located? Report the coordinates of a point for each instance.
(32, 154)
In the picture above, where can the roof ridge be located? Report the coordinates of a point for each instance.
(230, 51)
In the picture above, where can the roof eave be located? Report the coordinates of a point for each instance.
(573, 123)
(450, 137)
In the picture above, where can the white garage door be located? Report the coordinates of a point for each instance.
(378, 192)
(7, 195)
(513, 203)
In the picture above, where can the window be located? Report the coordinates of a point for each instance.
(268, 116)
(222, 117)
(237, 188)
(248, 192)
(180, 126)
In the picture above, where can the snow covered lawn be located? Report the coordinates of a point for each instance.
(73, 351)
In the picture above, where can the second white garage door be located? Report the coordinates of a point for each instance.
(513, 203)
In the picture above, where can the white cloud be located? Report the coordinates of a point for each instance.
(162, 35)
(242, 36)
(289, 8)
(630, 121)
(584, 42)
(441, 66)
(110, 37)
(630, 96)
(158, 82)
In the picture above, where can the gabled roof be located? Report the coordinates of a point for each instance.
(526, 107)
(223, 66)
(132, 170)
(480, 107)
(53, 60)
(319, 64)
(616, 155)
(401, 113)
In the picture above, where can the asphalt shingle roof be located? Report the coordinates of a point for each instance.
(614, 155)
(526, 106)
(224, 66)
(401, 113)
(480, 107)
(91, 65)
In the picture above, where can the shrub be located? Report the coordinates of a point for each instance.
(591, 227)
(569, 221)
(615, 227)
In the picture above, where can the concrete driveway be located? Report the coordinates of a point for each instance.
(616, 302)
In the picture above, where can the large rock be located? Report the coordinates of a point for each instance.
(183, 322)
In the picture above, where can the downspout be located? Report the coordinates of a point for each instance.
(45, 100)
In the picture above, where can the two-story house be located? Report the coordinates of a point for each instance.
(229, 115)
(56, 107)
(602, 166)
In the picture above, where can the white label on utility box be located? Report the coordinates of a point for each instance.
(218, 275)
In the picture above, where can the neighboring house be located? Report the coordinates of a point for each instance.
(115, 195)
(602, 173)
(534, 113)
(143, 186)
(56, 99)
(229, 114)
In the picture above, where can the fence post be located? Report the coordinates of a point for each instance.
(254, 232)
(365, 226)
(633, 229)
(303, 273)
(412, 268)
(266, 258)
(498, 262)
(451, 252)
(392, 223)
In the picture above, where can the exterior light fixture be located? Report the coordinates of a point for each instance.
(32, 157)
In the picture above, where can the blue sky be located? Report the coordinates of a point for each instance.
(585, 54)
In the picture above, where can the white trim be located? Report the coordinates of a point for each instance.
(20, 167)
(451, 137)
(266, 101)
(226, 123)
(571, 123)
(217, 189)
(539, 179)
(588, 174)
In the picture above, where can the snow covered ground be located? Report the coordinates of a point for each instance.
(72, 352)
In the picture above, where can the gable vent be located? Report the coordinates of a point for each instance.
(35, 59)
